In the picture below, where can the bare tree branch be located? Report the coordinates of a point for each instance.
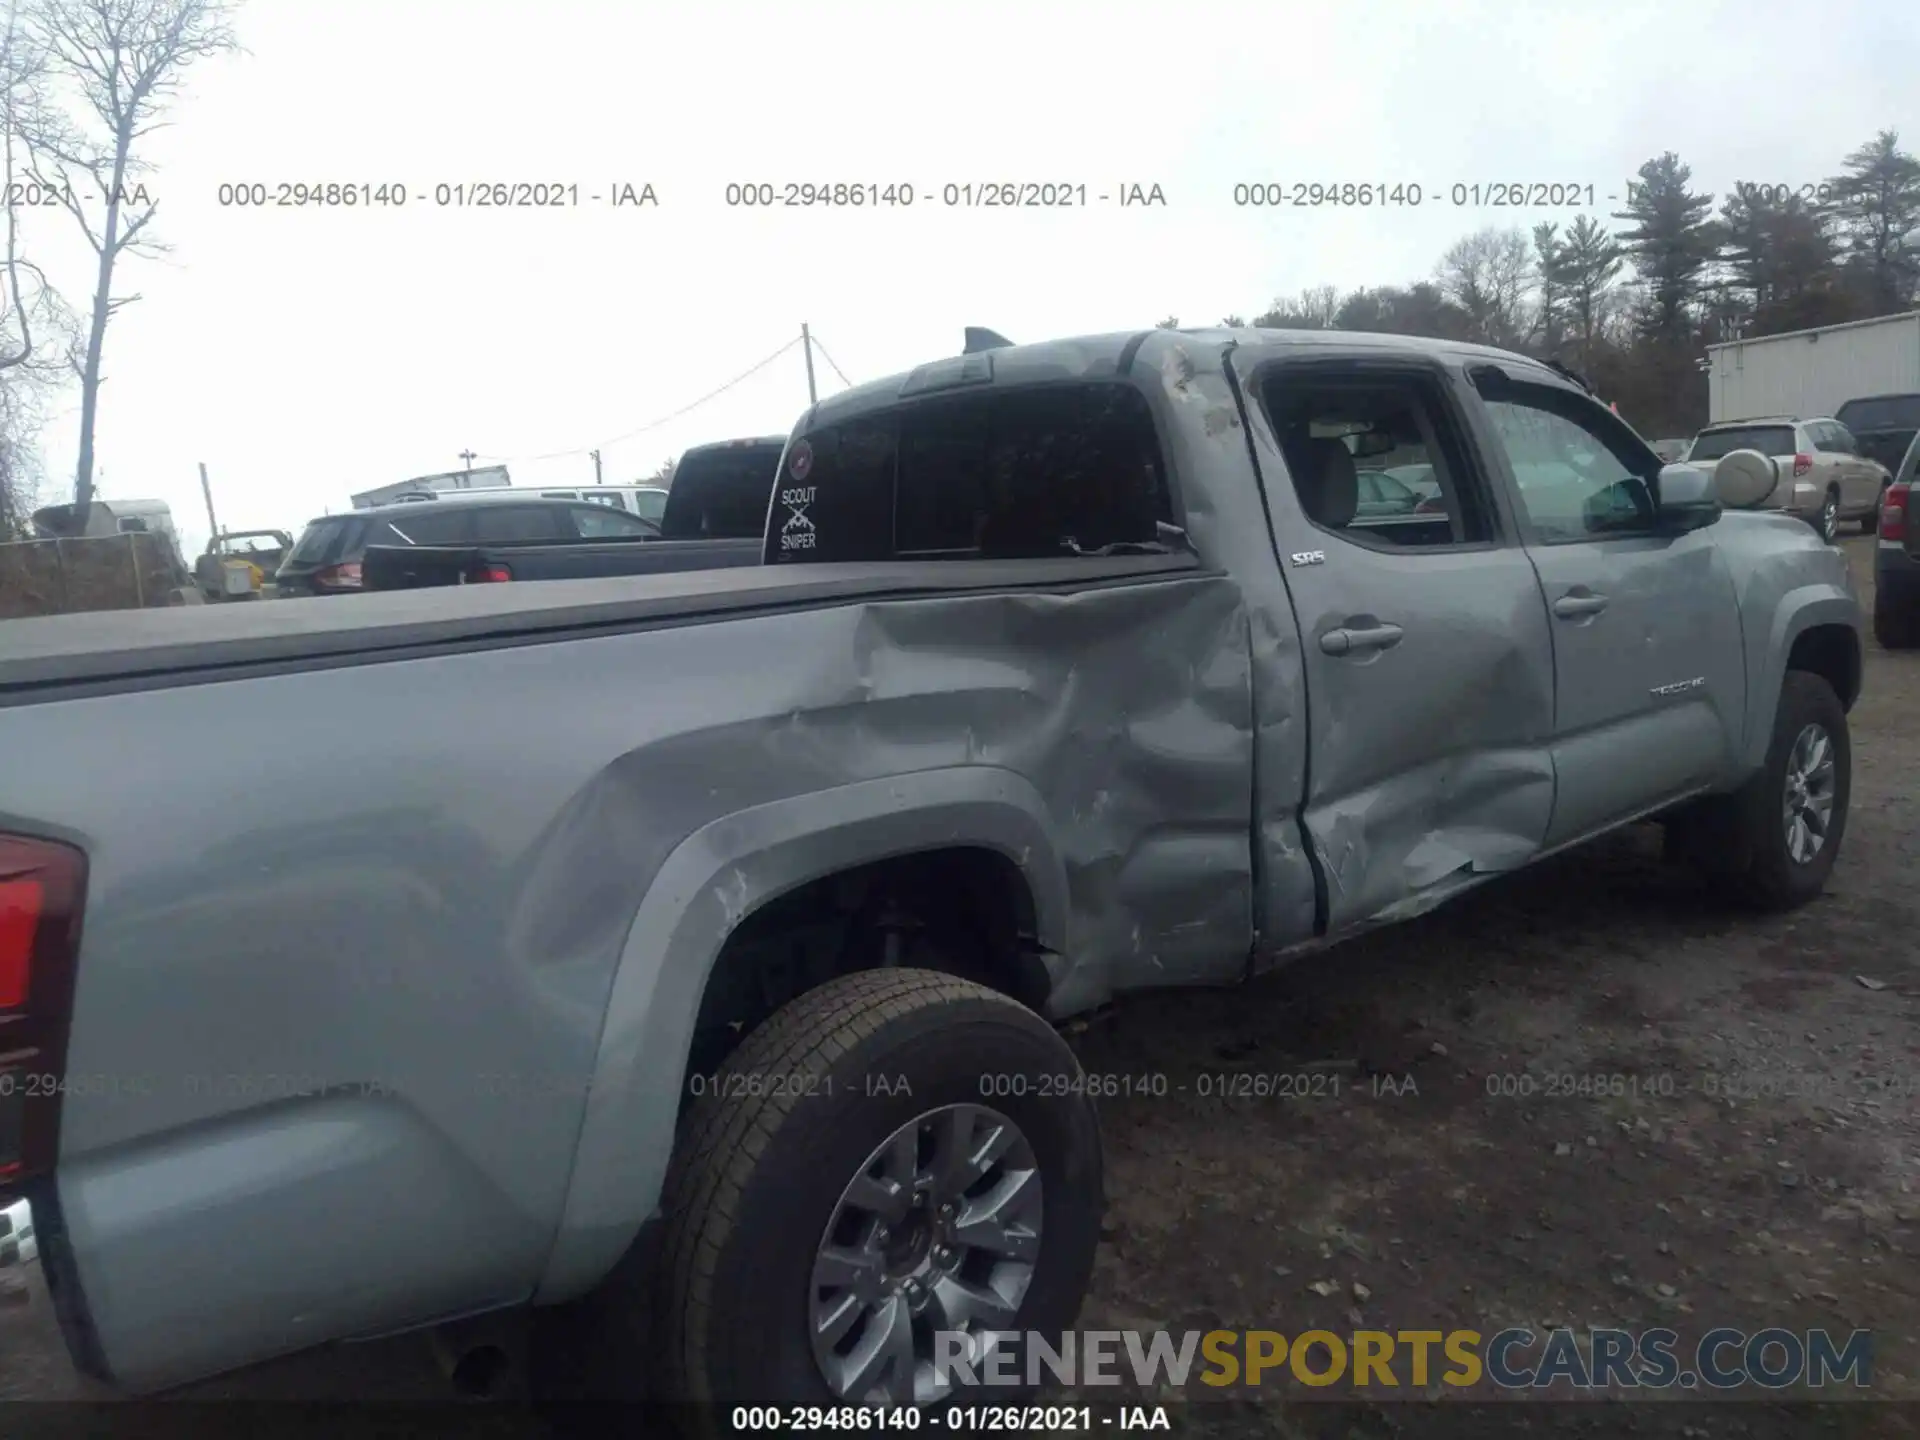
(121, 63)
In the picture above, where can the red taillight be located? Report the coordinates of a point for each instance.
(21, 904)
(339, 577)
(491, 574)
(1801, 465)
(42, 884)
(1893, 512)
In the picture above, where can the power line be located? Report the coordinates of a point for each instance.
(830, 361)
(655, 424)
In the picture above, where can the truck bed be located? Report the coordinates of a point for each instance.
(122, 649)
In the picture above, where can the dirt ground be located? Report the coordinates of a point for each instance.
(1760, 1170)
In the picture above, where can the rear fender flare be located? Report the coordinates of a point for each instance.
(712, 881)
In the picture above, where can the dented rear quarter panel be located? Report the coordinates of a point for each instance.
(351, 1043)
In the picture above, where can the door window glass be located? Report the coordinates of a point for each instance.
(1573, 482)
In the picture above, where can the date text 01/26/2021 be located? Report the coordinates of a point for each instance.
(442, 195)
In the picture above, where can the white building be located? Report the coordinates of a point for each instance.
(1813, 372)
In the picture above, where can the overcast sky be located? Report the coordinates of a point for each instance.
(307, 353)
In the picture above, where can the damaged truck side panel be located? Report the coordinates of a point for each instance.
(373, 1014)
(437, 1032)
(1199, 417)
(1430, 761)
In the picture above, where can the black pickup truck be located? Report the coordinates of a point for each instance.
(1883, 425)
(716, 511)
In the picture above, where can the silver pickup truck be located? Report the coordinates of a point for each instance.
(732, 912)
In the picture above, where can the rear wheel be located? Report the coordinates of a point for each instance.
(1827, 522)
(896, 1154)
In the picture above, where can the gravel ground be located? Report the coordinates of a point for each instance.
(1794, 1200)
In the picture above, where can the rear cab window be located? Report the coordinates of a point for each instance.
(1024, 472)
(1882, 412)
(720, 492)
(1772, 440)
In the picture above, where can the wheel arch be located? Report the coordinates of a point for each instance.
(712, 883)
(1815, 629)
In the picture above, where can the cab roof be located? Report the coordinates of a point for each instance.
(1108, 355)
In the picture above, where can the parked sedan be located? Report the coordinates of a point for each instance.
(1822, 476)
(1381, 493)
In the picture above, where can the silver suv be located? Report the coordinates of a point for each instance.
(1823, 477)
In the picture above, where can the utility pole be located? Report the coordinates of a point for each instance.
(596, 467)
(806, 343)
(469, 457)
(206, 492)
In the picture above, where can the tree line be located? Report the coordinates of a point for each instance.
(83, 83)
(1633, 305)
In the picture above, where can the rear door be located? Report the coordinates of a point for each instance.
(1862, 492)
(1649, 683)
(1835, 467)
(1429, 666)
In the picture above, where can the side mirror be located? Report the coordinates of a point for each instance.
(1687, 497)
(1744, 478)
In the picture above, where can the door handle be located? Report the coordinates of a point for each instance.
(1578, 604)
(1353, 642)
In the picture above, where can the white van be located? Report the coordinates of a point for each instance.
(647, 501)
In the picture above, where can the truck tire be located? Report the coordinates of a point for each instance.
(1827, 522)
(1894, 620)
(817, 1193)
(1772, 844)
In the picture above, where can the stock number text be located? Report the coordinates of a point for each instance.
(837, 194)
(1048, 1086)
(258, 194)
